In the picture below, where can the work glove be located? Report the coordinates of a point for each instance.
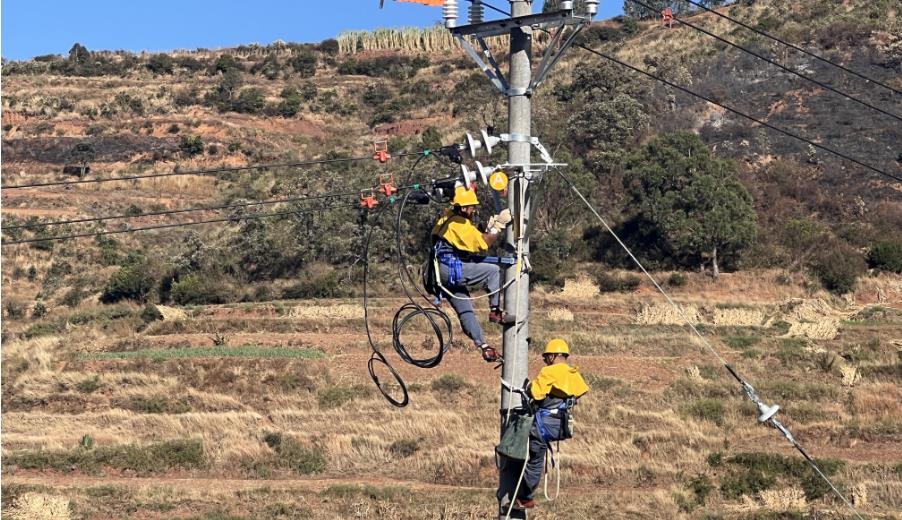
(498, 222)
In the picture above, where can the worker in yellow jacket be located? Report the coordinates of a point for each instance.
(554, 392)
(458, 244)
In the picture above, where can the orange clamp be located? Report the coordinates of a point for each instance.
(380, 151)
(387, 185)
(368, 201)
(667, 17)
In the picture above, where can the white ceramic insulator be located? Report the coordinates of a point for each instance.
(566, 5)
(592, 7)
(449, 13)
(477, 11)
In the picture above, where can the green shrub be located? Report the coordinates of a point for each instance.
(294, 455)
(157, 404)
(250, 101)
(449, 384)
(738, 483)
(132, 282)
(304, 63)
(754, 472)
(196, 290)
(707, 410)
(375, 94)
(677, 280)
(336, 396)
(192, 145)
(404, 447)
(160, 64)
(39, 310)
(45, 328)
(741, 342)
(153, 458)
(601, 384)
(612, 283)
(316, 281)
(14, 309)
(88, 385)
(838, 267)
(886, 256)
(150, 313)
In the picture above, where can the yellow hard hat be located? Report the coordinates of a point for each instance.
(557, 346)
(464, 197)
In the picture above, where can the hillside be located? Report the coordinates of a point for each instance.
(217, 370)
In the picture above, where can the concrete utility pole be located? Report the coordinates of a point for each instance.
(518, 86)
(516, 296)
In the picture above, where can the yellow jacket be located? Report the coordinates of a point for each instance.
(558, 380)
(460, 233)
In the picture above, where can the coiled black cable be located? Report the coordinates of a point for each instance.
(438, 319)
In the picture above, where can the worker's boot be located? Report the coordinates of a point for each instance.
(489, 354)
(496, 315)
(524, 503)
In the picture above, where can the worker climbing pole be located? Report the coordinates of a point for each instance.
(515, 177)
(564, 25)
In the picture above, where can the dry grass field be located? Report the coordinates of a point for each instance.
(265, 410)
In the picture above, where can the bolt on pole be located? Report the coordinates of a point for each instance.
(516, 296)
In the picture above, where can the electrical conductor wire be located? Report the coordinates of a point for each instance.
(230, 169)
(746, 386)
(743, 114)
(794, 47)
(774, 63)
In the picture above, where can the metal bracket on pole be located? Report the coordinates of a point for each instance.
(554, 51)
(492, 72)
(557, 21)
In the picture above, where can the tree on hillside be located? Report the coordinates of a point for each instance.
(694, 200)
(161, 64)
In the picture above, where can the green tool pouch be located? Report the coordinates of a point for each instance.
(515, 441)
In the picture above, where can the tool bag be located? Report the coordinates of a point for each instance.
(515, 441)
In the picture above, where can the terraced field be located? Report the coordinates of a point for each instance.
(265, 410)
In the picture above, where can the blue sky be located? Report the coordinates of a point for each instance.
(35, 27)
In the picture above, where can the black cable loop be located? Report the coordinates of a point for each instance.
(413, 309)
(397, 322)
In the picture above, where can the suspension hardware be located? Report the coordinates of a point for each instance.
(368, 201)
(380, 151)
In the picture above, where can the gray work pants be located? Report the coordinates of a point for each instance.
(536, 462)
(474, 274)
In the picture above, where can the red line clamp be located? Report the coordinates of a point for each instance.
(368, 201)
(387, 185)
(667, 17)
(380, 151)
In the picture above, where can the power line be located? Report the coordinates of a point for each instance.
(193, 223)
(183, 210)
(743, 114)
(202, 172)
(162, 226)
(774, 63)
(794, 47)
(747, 388)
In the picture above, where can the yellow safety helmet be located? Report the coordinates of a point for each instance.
(557, 346)
(464, 197)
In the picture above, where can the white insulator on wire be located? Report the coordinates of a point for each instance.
(567, 5)
(592, 7)
(477, 11)
(449, 13)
